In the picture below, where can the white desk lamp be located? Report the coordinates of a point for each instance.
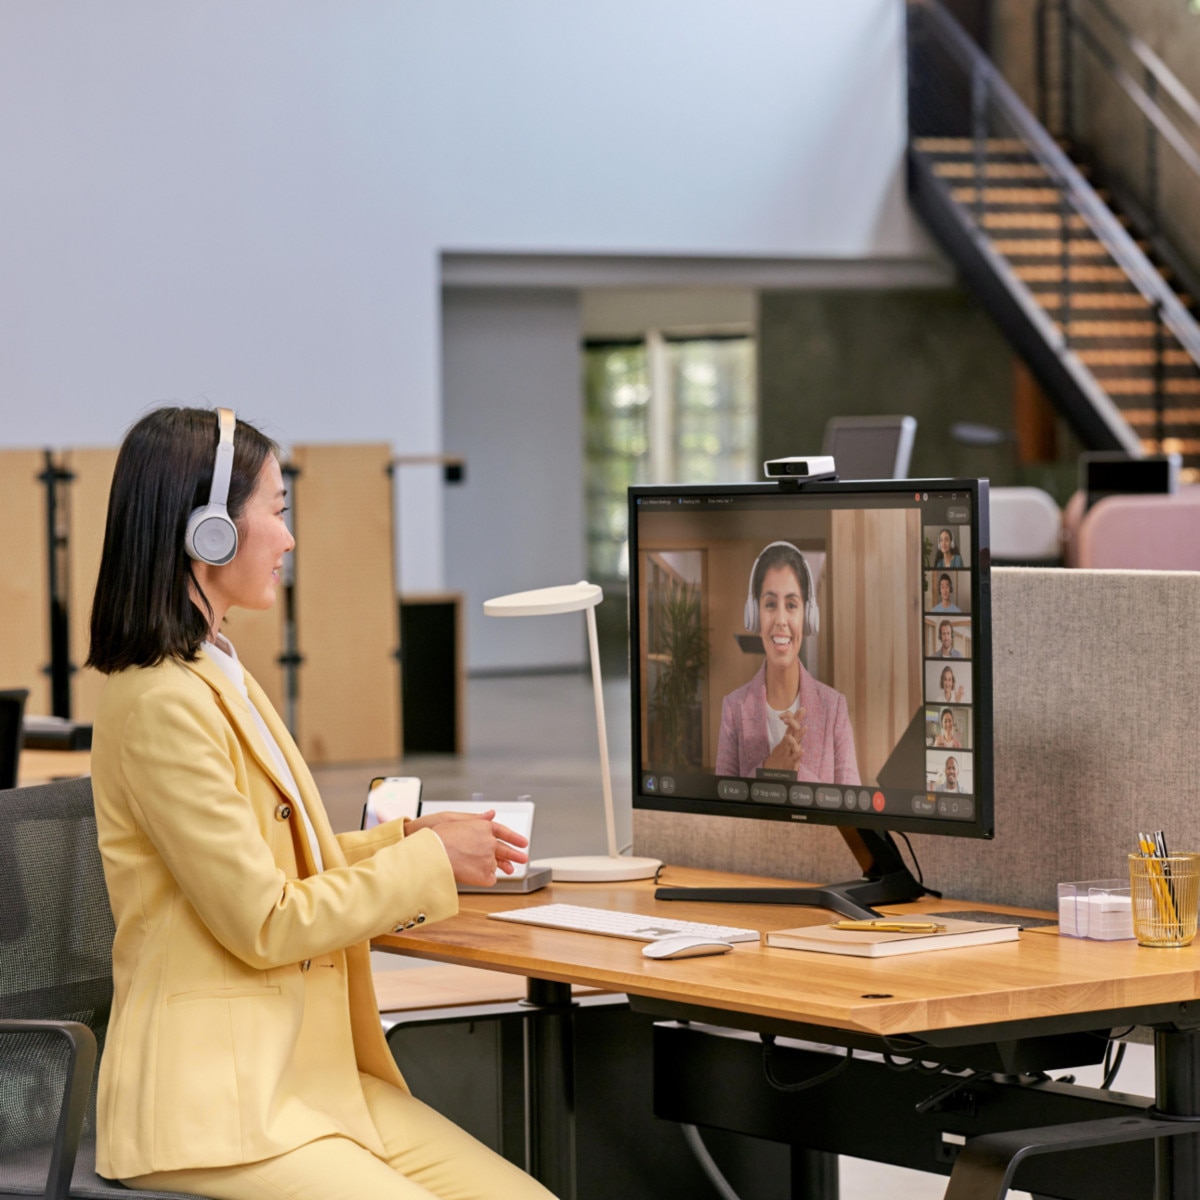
(581, 868)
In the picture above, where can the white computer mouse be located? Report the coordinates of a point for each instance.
(686, 945)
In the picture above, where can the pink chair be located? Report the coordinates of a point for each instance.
(1155, 533)
(1073, 513)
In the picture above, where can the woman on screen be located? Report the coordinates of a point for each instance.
(946, 738)
(245, 1056)
(947, 556)
(784, 719)
(952, 692)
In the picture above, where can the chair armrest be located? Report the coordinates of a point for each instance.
(80, 1067)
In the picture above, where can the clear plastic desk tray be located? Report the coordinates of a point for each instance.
(1097, 908)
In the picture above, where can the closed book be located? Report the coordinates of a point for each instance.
(877, 943)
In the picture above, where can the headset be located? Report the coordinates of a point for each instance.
(812, 615)
(211, 535)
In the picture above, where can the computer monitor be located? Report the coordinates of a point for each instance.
(815, 653)
(1104, 473)
(878, 447)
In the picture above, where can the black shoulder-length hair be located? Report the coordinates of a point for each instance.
(145, 608)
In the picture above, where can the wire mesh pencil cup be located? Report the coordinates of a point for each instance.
(1165, 891)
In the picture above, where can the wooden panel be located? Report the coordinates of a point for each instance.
(86, 502)
(258, 639)
(349, 703)
(876, 663)
(24, 600)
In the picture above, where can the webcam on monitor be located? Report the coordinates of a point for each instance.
(816, 466)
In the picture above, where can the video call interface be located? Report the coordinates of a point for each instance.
(811, 653)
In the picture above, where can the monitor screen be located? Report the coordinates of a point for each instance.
(814, 652)
(1104, 473)
(870, 447)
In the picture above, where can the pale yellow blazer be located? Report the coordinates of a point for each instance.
(243, 1006)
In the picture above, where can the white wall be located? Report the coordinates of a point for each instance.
(512, 409)
(244, 201)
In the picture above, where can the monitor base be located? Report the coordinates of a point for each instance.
(886, 880)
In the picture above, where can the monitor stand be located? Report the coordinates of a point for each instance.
(886, 880)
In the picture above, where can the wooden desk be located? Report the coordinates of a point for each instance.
(1041, 985)
(944, 998)
(45, 766)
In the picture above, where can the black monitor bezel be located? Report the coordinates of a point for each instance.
(983, 824)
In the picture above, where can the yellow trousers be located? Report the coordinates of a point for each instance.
(427, 1158)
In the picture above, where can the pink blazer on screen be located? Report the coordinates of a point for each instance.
(828, 739)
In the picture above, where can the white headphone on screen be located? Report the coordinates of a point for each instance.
(812, 615)
(211, 535)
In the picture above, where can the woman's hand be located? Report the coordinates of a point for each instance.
(788, 755)
(476, 844)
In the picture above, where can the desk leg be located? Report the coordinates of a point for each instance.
(1177, 1094)
(814, 1175)
(550, 1091)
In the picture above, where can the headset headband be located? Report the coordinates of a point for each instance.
(211, 536)
(223, 467)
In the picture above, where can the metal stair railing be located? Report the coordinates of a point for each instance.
(989, 89)
(1078, 19)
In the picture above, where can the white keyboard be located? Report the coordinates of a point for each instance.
(635, 926)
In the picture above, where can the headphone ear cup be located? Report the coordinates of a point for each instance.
(812, 614)
(211, 536)
(812, 619)
(750, 617)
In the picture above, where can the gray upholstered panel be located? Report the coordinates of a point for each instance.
(1097, 735)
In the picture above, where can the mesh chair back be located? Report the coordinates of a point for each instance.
(56, 933)
(12, 712)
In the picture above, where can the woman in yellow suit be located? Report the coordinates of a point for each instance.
(245, 1058)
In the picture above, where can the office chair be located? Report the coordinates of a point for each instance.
(870, 447)
(56, 932)
(1027, 527)
(12, 713)
(1142, 533)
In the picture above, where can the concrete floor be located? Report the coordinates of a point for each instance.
(536, 735)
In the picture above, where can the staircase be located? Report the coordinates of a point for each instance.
(1107, 328)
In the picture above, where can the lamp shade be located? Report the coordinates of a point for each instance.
(543, 602)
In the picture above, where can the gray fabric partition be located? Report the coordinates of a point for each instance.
(1097, 735)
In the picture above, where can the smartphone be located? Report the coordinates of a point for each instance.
(391, 798)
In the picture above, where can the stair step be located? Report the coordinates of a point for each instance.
(1009, 196)
(967, 168)
(1133, 358)
(1088, 247)
(1175, 416)
(961, 145)
(1146, 387)
(1175, 446)
(1095, 301)
(1108, 329)
(1052, 273)
(1037, 220)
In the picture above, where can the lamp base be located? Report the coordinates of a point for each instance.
(599, 868)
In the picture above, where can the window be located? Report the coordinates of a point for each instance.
(662, 410)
